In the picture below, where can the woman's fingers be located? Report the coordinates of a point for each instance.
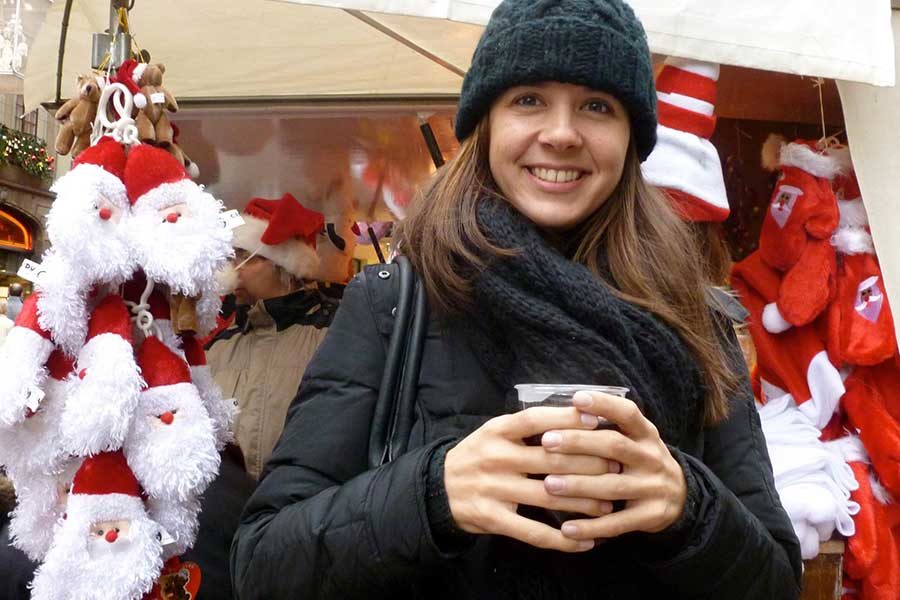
(645, 517)
(537, 420)
(620, 411)
(536, 460)
(533, 492)
(537, 534)
(608, 487)
(609, 444)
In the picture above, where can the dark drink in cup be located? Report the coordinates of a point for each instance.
(560, 395)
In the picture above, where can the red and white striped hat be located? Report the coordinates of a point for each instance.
(684, 162)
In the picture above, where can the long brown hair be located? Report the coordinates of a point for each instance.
(651, 254)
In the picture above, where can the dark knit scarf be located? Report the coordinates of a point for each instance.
(542, 318)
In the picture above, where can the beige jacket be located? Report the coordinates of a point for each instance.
(260, 362)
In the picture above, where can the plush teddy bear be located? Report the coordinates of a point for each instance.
(152, 121)
(77, 116)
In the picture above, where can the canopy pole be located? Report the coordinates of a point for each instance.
(63, 32)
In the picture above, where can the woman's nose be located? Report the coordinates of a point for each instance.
(560, 130)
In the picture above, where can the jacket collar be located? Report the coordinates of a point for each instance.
(298, 308)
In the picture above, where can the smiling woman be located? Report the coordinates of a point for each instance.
(545, 258)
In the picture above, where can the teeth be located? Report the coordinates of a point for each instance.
(555, 176)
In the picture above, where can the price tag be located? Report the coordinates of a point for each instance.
(165, 537)
(33, 397)
(231, 219)
(31, 271)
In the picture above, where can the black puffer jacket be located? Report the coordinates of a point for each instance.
(320, 525)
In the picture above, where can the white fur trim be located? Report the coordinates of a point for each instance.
(33, 446)
(71, 571)
(138, 72)
(22, 358)
(294, 256)
(879, 491)
(853, 240)
(179, 519)
(687, 102)
(772, 319)
(688, 163)
(697, 67)
(100, 407)
(803, 157)
(222, 412)
(39, 507)
(772, 391)
(166, 195)
(140, 100)
(89, 182)
(825, 387)
(176, 461)
(853, 213)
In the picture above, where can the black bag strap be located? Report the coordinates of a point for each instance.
(395, 408)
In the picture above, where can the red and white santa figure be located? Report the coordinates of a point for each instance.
(22, 366)
(89, 252)
(175, 230)
(796, 232)
(101, 400)
(684, 162)
(88, 255)
(171, 446)
(795, 360)
(107, 546)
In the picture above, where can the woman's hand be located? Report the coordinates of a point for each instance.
(485, 476)
(651, 480)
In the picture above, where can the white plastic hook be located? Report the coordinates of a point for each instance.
(123, 129)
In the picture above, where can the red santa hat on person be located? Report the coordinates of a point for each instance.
(107, 546)
(171, 446)
(684, 162)
(101, 402)
(22, 372)
(284, 231)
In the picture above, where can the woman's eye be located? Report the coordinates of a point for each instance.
(527, 100)
(600, 106)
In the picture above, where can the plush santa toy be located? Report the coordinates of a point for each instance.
(796, 232)
(171, 446)
(101, 402)
(88, 254)
(684, 162)
(107, 546)
(222, 411)
(175, 231)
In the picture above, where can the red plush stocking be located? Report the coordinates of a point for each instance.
(860, 325)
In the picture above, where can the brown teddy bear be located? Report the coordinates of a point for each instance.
(77, 116)
(175, 150)
(152, 121)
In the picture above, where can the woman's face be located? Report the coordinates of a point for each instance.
(557, 151)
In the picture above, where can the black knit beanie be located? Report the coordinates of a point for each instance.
(599, 44)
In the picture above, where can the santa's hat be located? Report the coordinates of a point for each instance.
(106, 474)
(171, 446)
(156, 179)
(284, 231)
(100, 167)
(22, 357)
(128, 74)
(101, 404)
(684, 163)
(852, 235)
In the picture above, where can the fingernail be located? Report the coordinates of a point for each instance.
(582, 399)
(585, 545)
(606, 507)
(589, 420)
(551, 439)
(569, 530)
(554, 484)
(615, 467)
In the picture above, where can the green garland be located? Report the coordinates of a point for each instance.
(25, 151)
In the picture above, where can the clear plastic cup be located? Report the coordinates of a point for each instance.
(560, 395)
